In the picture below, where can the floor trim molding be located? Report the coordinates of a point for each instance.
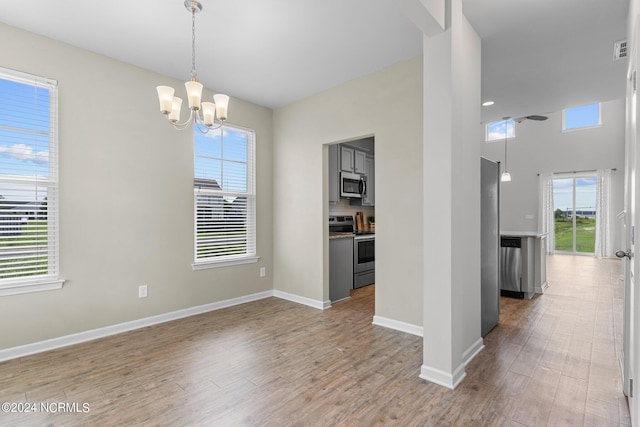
(320, 305)
(80, 337)
(398, 325)
(445, 379)
(472, 351)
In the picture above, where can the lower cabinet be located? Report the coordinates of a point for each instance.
(340, 268)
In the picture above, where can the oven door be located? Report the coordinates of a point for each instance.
(364, 252)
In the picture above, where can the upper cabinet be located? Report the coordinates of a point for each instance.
(369, 198)
(347, 159)
(359, 162)
(334, 174)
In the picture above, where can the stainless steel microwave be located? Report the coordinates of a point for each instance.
(352, 185)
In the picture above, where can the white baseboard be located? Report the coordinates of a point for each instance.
(320, 305)
(472, 351)
(80, 337)
(451, 380)
(398, 325)
(445, 379)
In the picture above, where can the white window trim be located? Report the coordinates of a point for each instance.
(25, 285)
(203, 265)
(599, 124)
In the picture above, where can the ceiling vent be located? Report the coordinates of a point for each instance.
(619, 50)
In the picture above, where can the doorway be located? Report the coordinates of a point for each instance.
(574, 212)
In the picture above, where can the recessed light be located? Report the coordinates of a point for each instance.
(487, 103)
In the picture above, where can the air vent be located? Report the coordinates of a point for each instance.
(619, 50)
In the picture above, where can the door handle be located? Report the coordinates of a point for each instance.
(622, 254)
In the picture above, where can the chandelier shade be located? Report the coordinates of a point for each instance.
(205, 116)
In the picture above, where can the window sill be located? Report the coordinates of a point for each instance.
(33, 285)
(582, 128)
(203, 265)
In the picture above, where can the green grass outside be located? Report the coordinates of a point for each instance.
(585, 234)
(211, 250)
(33, 235)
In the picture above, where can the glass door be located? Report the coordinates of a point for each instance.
(574, 205)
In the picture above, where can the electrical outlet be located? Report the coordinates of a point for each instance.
(142, 291)
(263, 271)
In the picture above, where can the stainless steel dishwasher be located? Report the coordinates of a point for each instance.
(511, 267)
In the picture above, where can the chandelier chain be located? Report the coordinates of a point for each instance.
(194, 73)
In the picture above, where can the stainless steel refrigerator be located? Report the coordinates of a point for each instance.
(490, 244)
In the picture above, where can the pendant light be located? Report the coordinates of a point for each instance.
(206, 115)
(506, 176)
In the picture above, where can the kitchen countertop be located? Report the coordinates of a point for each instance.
(340, 235)
(536, 234)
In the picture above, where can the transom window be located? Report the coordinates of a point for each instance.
(495, 131)
(28, 183)
(224, 197)
(584, 116)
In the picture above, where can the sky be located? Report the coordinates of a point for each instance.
(24, 129)
(582, 116)
(585, 193)
(223, 159)
(24, 139)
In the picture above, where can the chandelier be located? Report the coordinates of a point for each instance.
(206, 115)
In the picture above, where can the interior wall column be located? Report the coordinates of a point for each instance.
(451, 223)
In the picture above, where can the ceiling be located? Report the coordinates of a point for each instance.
(538, 56)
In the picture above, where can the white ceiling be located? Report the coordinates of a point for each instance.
(538, 56)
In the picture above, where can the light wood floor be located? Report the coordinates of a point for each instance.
(551, 361)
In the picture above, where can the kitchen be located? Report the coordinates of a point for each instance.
(351, 217)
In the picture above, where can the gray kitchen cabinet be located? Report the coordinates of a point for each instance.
(369, 172)
(347, 159)
(369, 198)
(359, 159)
(340, 268)
(334, 174)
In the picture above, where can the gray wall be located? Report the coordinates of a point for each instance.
(543, 147)
(126, 199)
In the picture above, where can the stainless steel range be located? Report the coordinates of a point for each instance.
(364, 248)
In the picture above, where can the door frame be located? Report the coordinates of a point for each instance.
(631, 217)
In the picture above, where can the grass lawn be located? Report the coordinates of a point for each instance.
(585, 234)
(31, 241)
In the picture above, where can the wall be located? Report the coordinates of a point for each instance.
(388, 105)
(542, 147)
(126, 199)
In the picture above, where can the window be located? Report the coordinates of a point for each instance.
(574, 206)
(584, 116)
(224, 197)
(495, 131)
(28, 183)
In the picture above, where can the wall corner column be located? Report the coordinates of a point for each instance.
(451, 199)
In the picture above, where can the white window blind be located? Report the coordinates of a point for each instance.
(28, 179)
(224, 196)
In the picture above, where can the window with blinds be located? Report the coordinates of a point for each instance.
(28, 180)
(224, 196)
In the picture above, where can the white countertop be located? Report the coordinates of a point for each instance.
(536, 234)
